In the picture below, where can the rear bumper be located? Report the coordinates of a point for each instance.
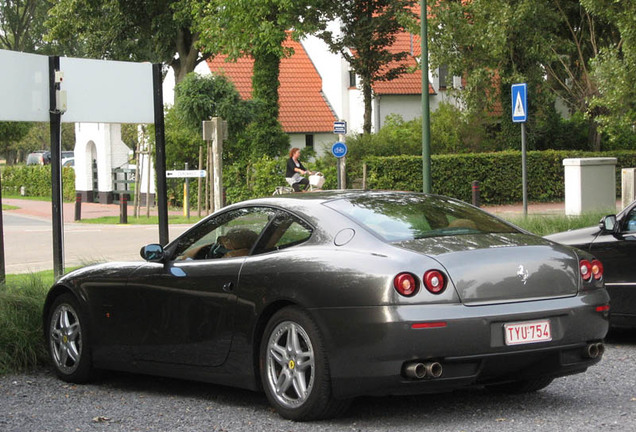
(369, 347)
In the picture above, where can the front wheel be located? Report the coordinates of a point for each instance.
(294, 368)
(67, 341)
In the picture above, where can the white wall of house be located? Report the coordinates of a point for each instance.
(334, 71)
(408, 107)
(102, 143)
(322, 142)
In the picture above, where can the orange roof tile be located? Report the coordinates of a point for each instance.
(303, 107)
(409, 83)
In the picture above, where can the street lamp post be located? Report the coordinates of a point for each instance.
(426, 128)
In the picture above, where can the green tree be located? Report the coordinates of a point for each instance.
(140, 30)
(21, 24)
(614, 72)
(368, 28)
(241, 28)
(495, 43)
(197, 98)
(10, 134)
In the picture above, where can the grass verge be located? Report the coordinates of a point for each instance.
(542, 225)
(21, 301)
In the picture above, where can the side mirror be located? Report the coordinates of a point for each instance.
(608, 224)
(152, 253)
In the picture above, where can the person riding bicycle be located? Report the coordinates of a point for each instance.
(295, 171)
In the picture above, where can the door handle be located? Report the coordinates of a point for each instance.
(228, 287)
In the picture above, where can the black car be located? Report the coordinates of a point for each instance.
(613, 242)
(317, 298)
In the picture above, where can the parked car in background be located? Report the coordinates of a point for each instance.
(317, 298)
(613, 242)
(66, 155)
(68, 162)
(40, 157)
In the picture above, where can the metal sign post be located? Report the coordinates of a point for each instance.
(520, 115)
(55, 127)
(339, 150)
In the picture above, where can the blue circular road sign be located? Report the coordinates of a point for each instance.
(339, 149)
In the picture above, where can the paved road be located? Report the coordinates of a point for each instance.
(28, 242)
(603, 398)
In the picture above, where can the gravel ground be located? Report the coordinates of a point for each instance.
(602, 398)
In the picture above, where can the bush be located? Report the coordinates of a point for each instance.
(499, 174)
(37, 181)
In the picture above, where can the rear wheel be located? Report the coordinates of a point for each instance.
(294, 368)
(522, 386)
(67, 341)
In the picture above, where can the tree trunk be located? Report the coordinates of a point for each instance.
(368, 110)
(593, 136)
(188, 55)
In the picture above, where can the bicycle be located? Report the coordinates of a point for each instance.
(316, 180)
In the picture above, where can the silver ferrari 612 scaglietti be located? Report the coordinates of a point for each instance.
(317, 298)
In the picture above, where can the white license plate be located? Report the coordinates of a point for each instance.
(527, 332)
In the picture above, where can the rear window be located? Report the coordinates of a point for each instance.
(402, 217)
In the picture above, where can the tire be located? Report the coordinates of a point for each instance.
(294, 368)
(522, 386)
(67, 340)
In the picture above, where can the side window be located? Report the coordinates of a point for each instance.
(630, 221)
(285, 231)
(231, 234)
(293, 235)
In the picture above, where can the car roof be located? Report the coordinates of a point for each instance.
(320, 197)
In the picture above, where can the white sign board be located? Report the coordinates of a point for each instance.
(97, 91)
(100, 91)
(24, 87)
(185, 173)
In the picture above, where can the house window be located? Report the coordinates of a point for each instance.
(352, 79)
(309, 141)
(443, 76)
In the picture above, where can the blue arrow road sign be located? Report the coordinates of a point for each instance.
(339, 149)
(520, 103)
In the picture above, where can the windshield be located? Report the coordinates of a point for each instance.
(401, 217)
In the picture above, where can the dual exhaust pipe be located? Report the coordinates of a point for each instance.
(431, 370)
(594, 350)
(420, 370)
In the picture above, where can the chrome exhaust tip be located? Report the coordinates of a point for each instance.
(415, 370)
(434, 369)
(592, 350)
(601, 348)
(419, 370)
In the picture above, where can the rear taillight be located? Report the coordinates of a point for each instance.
(597, 269)
(585, 267)
(434, 281)
(589, 270)
(405, 284)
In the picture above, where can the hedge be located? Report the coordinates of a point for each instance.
(36, 180)
(499, 174)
